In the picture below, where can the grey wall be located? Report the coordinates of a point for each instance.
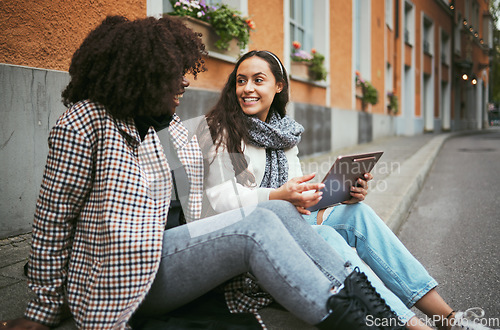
(317, 124)
(29, 105)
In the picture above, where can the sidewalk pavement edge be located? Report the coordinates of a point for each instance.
(393, 203)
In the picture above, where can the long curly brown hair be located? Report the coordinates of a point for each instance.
(134, 67)
(226, 120)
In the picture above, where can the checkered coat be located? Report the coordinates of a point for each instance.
(100, 216)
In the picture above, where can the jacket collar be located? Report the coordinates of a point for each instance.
(128, 130)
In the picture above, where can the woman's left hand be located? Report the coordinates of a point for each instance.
(359, 190)
(299, 192)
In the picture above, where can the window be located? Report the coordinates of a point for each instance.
(408, 24)
(445, 48)
(475, 15)
(389, 84)
(427, 36)
(457, 36)
(357, 38)
(472, 13)
(389, 13)
(362, 37)
(488, 30)
(301, 23)
(309, 22)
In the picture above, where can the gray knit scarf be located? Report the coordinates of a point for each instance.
(275, 136)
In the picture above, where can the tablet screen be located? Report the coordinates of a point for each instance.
(343, 174)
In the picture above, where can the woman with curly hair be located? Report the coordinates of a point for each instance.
(109, 237)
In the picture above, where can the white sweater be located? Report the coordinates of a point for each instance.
(223, 191)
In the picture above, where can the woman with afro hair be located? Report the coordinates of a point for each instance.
(111, 238)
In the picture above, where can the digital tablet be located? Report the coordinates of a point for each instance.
(343, 174)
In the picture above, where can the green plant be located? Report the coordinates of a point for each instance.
(393, 105)
(314, 59)
(370, 93)
(226, 22)
(317, 70)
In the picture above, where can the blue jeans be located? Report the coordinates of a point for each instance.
(270, 240)
(405, 279)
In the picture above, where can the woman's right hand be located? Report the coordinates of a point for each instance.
(300, 193)
(22, 323)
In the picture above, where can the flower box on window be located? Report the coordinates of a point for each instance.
(305, 65)
(359, 91)
(224, 30)
(209, 37)
(300, 69)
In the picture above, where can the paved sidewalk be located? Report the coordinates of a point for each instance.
(399, 176)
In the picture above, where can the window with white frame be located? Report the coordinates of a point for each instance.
(457, 36)
(357, 35)
(362, 37)
(408, 24)
(301, 23)
(445, 48)
(488, 31)
(472, 13)
(475, 15)
(309, 25)
(389, 17)
(427, 36)
(389, 84)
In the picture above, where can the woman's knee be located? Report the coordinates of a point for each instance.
(283, 209)
(265, 215)
(331, 236)
(325, 231)
(359, 211)
(361, 208)
(278, 206)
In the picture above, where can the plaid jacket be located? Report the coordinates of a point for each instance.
(100, 216)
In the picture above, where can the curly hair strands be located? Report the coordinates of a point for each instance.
(226, 119)
(134, 67)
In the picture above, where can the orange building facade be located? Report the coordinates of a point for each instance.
(432, 55)
(402, 47)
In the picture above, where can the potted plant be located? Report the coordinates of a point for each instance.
(393, 105)
(317, 70)
(228, 25)
(307, 65)
(369, 94)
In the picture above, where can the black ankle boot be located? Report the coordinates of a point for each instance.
(359, 306)
(375, 304)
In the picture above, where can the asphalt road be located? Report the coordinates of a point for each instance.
(453, 227)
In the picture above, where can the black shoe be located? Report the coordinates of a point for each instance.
(371, 299)
(358, 306)
(346, 312)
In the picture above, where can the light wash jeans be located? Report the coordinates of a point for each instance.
(405, 279)
(270, 240)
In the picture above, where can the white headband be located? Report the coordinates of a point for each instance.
(277, 60)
